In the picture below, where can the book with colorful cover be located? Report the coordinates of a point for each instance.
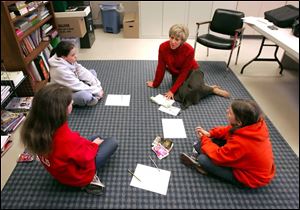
(162, 147)
(20, 103)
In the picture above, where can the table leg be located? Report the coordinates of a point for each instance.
(265, 59)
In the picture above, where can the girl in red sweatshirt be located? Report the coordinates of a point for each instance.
(70, 158)
(241, 152)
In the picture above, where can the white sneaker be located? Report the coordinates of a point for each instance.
(96, 181)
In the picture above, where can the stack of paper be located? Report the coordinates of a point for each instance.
(162, 100)
(166, 104)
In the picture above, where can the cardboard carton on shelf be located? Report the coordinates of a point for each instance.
(131, 25)
(71, 27)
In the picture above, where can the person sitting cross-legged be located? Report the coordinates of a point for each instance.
(70, 158)
(239, 153)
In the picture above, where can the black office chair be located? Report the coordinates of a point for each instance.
(224, 22)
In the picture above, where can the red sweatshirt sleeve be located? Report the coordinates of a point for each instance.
(219, 132)
(84, 150)
(225, 155)
(160, 69)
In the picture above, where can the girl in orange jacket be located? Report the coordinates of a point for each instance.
(240, 152)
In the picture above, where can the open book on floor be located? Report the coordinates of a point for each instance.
(162, 147)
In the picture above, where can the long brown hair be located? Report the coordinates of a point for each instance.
(47, 114)
(246, 111)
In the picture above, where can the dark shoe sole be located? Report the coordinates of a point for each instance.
(93, 189)
(188, 161)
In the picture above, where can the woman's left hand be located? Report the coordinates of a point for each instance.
(169, 95)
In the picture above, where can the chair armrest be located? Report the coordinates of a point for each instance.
(203, 23)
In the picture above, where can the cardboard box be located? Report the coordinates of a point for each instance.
(71, 27)
(130, 25)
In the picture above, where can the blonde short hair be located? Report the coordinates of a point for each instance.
(179, 31)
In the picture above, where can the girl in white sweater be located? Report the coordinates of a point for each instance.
(65, 70)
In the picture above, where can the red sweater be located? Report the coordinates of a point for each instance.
(178, 62)
(72, 161)
(248, 152)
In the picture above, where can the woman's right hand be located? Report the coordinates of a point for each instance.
(150, 83)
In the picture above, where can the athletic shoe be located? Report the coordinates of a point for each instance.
(191, 162)
(96, 187)
(93, 102)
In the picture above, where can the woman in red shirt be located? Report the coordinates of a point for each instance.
(70, 158)
(177, 57)
(240, 153)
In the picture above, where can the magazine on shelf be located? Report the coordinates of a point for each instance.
(12, 76)
(20, 103)
(10, 120)
(162, 147)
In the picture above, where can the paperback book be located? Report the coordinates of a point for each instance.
(162, 147)
(20, 103)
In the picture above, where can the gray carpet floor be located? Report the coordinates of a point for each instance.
(135, 127)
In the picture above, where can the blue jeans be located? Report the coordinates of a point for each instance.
(106, 149)
(82, 97)
(221, 172)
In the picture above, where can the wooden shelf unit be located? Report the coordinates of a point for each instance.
(11, 50)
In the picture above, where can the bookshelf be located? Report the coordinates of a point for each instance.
(23, 39)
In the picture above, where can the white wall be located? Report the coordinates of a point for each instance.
(156, 17)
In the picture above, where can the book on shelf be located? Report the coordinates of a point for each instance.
(162, 147)
(5, 91)
(6, 143)
(13, 125)
(41, 67)
(45, 62)
(33, 72)
(19, 103)
(14, 77)
(19, 32)
(50, 35)
(8, 116)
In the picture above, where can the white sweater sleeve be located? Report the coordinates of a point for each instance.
(64, 73)
(86, 76)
